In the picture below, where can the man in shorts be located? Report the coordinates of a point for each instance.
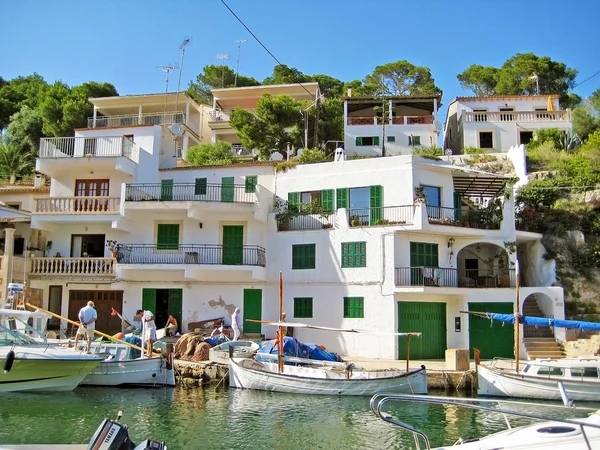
(87, 324)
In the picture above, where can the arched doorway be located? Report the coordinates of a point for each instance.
(533, 306)
(484, 265)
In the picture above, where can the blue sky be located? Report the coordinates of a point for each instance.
(122, 41)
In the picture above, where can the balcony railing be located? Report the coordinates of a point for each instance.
(447, 277)
(457, 217)
(80, 147)
(516, 116)
(85, 267)
(78, 205)
(396, 120)
(131, 120)
(239, 150)
(203, 254)
(382, 216)
(308, 222)
(223, 116)
(192, 192)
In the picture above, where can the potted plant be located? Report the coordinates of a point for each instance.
(355, 221)
(420, 195)
(283, 214)
(113, 247)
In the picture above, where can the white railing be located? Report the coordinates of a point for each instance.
(77, 205)
(131, 120)
(219, 116)
(239, 150)
(87, 267)
(516, 116)
(80, 147)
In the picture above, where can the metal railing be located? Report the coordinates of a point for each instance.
(77, 205)
(449, 277)
(395, 120)
(308, 222)
(156, 192)
(465, 218)
(382, 216)
(516, 116)
(86, 267)
(81, 147)
(239, 150)
(203, 254)
(130, 120)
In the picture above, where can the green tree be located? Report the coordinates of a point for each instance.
(13, 163)
(398, 78)
(25, 130)
(214, 77)
(210, 154)
(283, 74)
(18, 92)
(276, 123)
(331, 120)
(586, 118)
(479, 79)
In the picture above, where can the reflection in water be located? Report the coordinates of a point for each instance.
(195, 418)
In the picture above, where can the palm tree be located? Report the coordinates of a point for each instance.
(14, 163)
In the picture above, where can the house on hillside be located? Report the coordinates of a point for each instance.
(500, 122)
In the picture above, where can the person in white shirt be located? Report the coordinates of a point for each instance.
(87, 324)
(148, 327)
(235, 324)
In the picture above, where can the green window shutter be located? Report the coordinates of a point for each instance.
(457, 206)
(327, 199)
(354, 254)
(251, 182)
(354, 307)
(149, 300)
(167, 236)
(358, 140)
(424, 254)
(375, 140)
(293, 201)
(375, 204)
(200, 186)
(166, 190)
(303, 256)
(342, 197)
(303, 307)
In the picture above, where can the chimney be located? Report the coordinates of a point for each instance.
(38, 181)
(349, 92)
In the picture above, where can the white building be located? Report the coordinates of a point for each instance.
(376, 126)
(501, 122)
(131, 230)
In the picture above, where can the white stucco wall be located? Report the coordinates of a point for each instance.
(401, 133)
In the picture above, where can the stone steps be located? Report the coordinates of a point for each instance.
(543, 347)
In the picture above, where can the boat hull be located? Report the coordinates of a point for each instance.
(495, 382)
(250, 374)
(45, 374)
(241, 349)
(150, 372)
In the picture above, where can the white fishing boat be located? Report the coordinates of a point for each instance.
(551, 434)
(241, 349)
(324, 379)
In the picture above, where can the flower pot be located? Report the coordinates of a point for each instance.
(113, 254)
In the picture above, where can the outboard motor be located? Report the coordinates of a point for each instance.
(112, 435)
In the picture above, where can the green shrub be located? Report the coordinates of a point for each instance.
(217, 154)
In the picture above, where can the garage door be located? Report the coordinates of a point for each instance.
(104, 301)
(492, 338)
(426, 318)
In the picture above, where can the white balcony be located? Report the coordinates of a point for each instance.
(132, 120)
(75, 209)
(396, 120)
(71, 154)
(74, 268)
(516, 116)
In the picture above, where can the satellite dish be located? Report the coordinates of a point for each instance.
(448, 152)
(177, 129)
(438, 125)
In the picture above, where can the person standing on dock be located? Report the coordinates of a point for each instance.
(148, 328)
(235, 324)
(87, 324)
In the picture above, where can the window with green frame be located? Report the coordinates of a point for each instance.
(354, 307)
(167, 236)
(424, 254)
(303, 307)
(354, 254)
(251, 182)
(200, 186)
(303, 256)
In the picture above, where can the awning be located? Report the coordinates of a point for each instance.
(475, 185)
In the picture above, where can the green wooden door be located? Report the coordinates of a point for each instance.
(176, 305)
(252, 310)
(423, 257)
(149, 300)
(166, 190)
(492, 338)
(375, 204)
(233, 245)
(427, 318)
(457, 206)
(227, 189)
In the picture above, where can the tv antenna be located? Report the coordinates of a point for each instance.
(223, 57)
(237, 65)
(182, 47)
(167, 69)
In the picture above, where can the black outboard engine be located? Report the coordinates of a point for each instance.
(112, 435)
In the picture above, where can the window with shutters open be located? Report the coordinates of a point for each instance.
(354, 254)
(167, 236)
(367, 140)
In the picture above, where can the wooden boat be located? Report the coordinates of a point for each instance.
(553, 434)
(323, 380)
(241, 349)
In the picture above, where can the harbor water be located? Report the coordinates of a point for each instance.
(205, 418)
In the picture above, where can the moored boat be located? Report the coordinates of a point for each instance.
(241, 349)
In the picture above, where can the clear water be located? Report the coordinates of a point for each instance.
(205, 418)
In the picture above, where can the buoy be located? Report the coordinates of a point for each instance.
(8, 362)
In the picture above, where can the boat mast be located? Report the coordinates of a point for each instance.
(280, 350)
(517, 333)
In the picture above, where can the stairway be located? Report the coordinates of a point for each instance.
(539, 341)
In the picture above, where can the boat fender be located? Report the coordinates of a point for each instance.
(8, 362)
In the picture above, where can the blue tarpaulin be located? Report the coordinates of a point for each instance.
(134, 352)
(292, 347)
(546, 322)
